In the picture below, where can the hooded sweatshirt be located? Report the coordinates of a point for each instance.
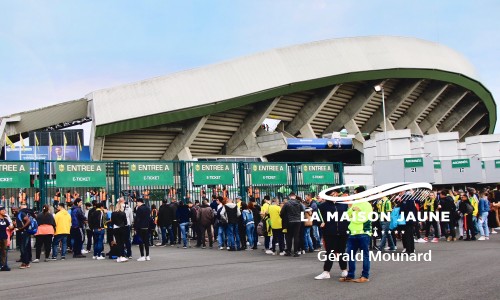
(63, 222)
(360, 223)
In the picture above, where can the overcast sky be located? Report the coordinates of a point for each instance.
(55, 51)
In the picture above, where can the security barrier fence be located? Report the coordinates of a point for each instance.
(42, 182)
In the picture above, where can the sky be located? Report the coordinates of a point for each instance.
(56, 51)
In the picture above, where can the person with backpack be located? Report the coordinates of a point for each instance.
(205, 219)
(24, 220)
(249, 224)
(89, 208)
(44, 234)
(142, 223)
(466, 210)
(119, 221)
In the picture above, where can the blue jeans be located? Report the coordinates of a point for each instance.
(483, 225)
(232, 235)
(55, 244)
(163, 235)
(98, 241)
(316, 236)
(354, 243)
(250, 230)
(308, 243)
(184, 229)
(25, 247)
(386, 236)
(221, 235)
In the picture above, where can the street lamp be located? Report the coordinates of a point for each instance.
(378, 88)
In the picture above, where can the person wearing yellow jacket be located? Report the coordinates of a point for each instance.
(360, 230)
(63, 227)
(276, 226)
(264, 214)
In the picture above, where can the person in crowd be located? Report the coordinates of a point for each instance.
(205, 219)
(492, 215)
(62, 233)
(385, 209)
(291, 211)
(221, 223)
(23, 222)
(5, 225)
(360, 230)
(45, 232)
(248, 223)
(183, 216)
(141, 226)
(255, 208)
(164, 222)
(430, 207)
(77, 223)
(276, 227)
(409, 211)
(231, 213)
(335, 237)
(483, 211)
(119, 221)
(264, 213)
(175, 222)
(466, 210)
(308, 245)
(313, 204)
(97, 221)
(152, 225)
(89, 208)
(448, 207)
(128, 228)
(193, 211)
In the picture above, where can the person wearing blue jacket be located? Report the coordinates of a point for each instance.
(77, 222)
(483, 211)
(334, 235)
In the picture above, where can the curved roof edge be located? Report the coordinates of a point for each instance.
(270, 70)
(174, 116)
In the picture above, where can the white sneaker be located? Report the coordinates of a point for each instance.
(303, 251)
(487, 238)
(159, 244)
(385, 248)
(84, 251)
(259, 244)
(343, 274)
(282, 253)
(248, 243)
(148, 258)
(498, 228)
(415, 240)
(94, 257)
(100, 258)
(404, 251)
(421, 240)
(36, 261)
(123, 259)
(482, 238)
(324, 275)
(493, 231)
(142, 258)
(227, 248)
(269, 252)
(221, 248)
(118, 260)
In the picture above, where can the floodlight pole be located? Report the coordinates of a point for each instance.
(379, 88)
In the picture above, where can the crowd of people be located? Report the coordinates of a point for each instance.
(288, 227)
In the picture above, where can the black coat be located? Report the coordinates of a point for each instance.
(165, 215)
(142, 217)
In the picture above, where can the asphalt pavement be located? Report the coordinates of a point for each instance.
(458, 270)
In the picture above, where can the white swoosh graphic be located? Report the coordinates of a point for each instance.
(374, 193)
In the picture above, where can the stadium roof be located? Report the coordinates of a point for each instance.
(313, 89)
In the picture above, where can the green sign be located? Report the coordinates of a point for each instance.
(317, 173)
(69, 174)
(269, 173)
(460, 163)
(416, 162)
(212, 173)
(497, 163)
(48, 183)
(437, 164)
(14, 174)
(151, 174)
